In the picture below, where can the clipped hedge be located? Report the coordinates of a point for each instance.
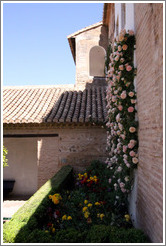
(101, 234)
(22, 227)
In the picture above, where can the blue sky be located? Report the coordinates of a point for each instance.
(35, 45)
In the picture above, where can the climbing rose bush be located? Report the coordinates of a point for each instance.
(122, 140)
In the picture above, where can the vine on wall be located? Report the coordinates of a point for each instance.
(122, 140)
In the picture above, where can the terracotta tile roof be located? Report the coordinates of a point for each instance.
(63, 104)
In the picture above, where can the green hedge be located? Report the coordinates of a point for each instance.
(25, 221)
(101, 234)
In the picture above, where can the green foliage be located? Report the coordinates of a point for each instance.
(27, 218)
(5, 160)
(70, 235)
(107, 59)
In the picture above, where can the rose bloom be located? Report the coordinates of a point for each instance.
(109, 181)
(123, 136)
(132, 153)
(130, 109)
(121, 67)
(116, 58)
(124, 47)
(131, 32)
(129, 68)
(121, 37)
(123, 95)
(133, 101)
(131, 94)
(127, 84)
(130, 146)
(120, 107)
(122, 60)
(119, 48)
(126, 178)
(121, 185)
(124, 148)
(128, 165)
(119, 169)
(132, 141)
(132, 129)
(135, 160)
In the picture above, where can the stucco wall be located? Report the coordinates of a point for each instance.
(84, 42)
(149, 36)
(76, 146)
(22, 161)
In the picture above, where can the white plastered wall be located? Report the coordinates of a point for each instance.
(22, 161)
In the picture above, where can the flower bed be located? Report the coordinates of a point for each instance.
(75, 215)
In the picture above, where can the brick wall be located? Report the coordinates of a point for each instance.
(74, 146)
(84, 42)
(149, 82)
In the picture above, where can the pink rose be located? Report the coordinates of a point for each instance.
(132, 129)
(123, 95)
(123, 190)
(121, 185)
(109, 181)
(124, 148)
(128, 165)
(131, 94)
(121, 37)
(128, 68)
(130, 109)
(124, 47)
(116, 58)
(132, 153)
(119, 48)
(121, 67)
(135, 160)
(130, 146)
(120, 107)
(127, 84)
(123, 136)
(131, 32)
(133, 101)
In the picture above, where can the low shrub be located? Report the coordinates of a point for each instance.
(28, 217)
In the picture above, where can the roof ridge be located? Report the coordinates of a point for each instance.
(85, 29)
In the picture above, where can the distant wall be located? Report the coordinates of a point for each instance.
(149, 57)
(22, 161)
(33, 161)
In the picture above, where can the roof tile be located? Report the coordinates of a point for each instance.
(54, 104)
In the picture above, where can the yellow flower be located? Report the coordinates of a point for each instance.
(95, 180)
(101, 216)
(86, 214)
(53, 230)
(69, 218)
(64, 217)
(86, 201)
(97, 203)
(91, 178)
(85, 175)
(84, 209)
(127, 217)
(55, 200)
(95, 177)
(80, 176)
(88, 180)
(46, 231)
(90, 205)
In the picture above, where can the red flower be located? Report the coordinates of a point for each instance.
(49, 224)
(58, 213)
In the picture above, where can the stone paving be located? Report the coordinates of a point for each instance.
(11, 205)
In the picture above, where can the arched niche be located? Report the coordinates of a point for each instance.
(97, 61)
